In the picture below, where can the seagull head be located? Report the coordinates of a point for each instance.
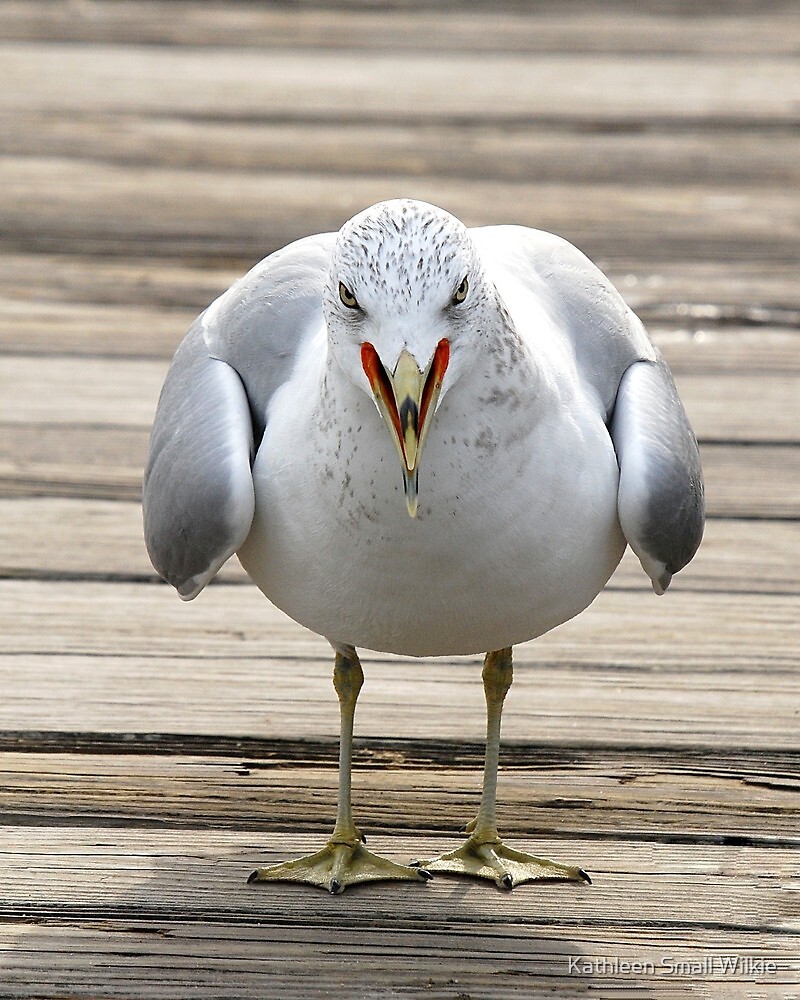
(405, 305)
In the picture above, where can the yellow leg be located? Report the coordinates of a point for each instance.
(344, 860)
(484, 854)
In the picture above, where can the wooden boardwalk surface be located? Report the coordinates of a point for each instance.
(153, 753)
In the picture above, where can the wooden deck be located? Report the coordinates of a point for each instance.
(153, 753)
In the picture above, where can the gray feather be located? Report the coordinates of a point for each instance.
(661, 497)
(198, 490)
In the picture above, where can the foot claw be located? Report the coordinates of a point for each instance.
(252, 877)
(508, 881)
(584, 875)
(423, 873)
(336, 886)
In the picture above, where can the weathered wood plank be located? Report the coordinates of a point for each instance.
(109, 209)
(90, 329)
(162, 284)
(87, 461)
(315, 83)
(701, 295)
(265, 690)
(739, 407)
(769, 29)
(714, 348)
(719, 157)
(631, 795)
(566, 694)
(173, 875)
(693, 631)
(690, 344)
(164, 959)
(693, 669)
(152, 914)
(200, 871)
(63, 537)
(751, 482)
(70, 391)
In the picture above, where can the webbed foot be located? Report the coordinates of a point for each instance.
(503, 865)
(339, 864)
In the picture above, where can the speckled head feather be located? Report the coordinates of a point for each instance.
(407, 252)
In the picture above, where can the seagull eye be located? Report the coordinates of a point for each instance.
(461, 292)
(347, 296)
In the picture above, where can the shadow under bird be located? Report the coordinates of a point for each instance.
(428, 440)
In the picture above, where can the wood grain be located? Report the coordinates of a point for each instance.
(770, 28)
(643, 794)
(178, 916)
(630, 669)
(714, 153)
(113, 209)
(397, 85)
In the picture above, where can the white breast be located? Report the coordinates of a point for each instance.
(517, 528)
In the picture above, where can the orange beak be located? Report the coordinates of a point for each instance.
(406, 399)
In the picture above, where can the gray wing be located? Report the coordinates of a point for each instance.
(198, 497)
(660, 503)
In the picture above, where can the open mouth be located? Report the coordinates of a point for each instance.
(406, 399)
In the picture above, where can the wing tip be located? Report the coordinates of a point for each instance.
(189, 589)
(661, 583)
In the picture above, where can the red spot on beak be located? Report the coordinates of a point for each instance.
(433, 383)
(379, 380)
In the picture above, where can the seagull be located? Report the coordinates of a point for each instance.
(422, 439)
